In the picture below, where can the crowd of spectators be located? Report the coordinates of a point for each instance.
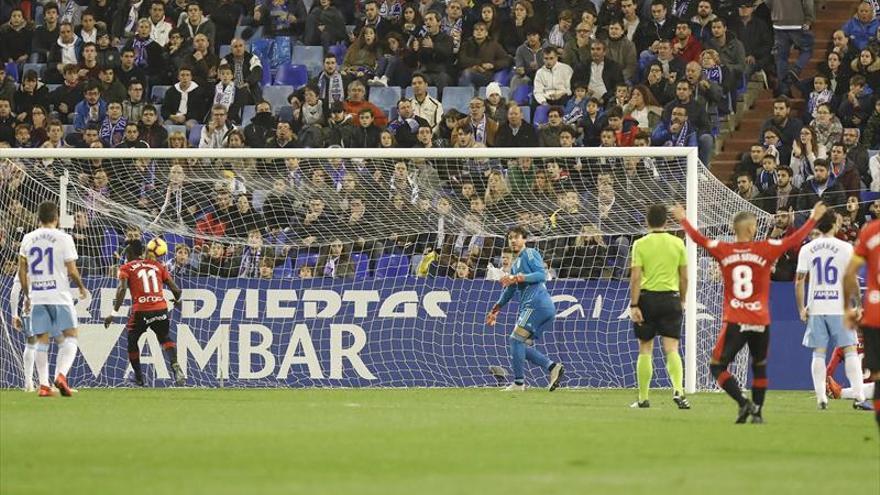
(592, 73)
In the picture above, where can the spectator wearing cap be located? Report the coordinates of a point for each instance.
(622, 50)
(356, 102)
(46, 35)
(195, 22)
(660, 27)
(552, 80)
(516, 132)
(496, 105)
(325, 25)
(480, 57)
(792, 22)
(407, 125)
(862, 28)
(528, 59)
(424, 105)
(16, 36)
(432, 53)
(755, 35)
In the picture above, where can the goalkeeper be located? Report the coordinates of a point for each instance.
(536, 312)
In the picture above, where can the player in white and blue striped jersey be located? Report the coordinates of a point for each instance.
(822, 263)
(536, 311)
(46, 264)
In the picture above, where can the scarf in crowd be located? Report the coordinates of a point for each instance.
(238, 71)
(400, 122)
(112, 132)
(766, 179)
(250, 263)
(817, 99)
(330, 267)
(132, 17)
(680, 7)
(681, 138)
(279, 16)
(480, 130)
(713, 74)
(390, 12)
(224, 95)
(149, 179)
(140, 50)
(332, 87)
(67, 14)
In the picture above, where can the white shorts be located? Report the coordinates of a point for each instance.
(824, 329)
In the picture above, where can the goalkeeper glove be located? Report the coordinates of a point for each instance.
(493, 315)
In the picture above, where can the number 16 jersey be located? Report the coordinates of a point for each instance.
(825, 259)
(146, 280)
(746, 268)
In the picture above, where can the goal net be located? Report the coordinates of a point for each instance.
(345, 267)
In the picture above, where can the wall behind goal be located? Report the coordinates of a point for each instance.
(255, 333)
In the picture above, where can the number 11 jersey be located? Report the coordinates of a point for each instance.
(746, 268)
(146, 280)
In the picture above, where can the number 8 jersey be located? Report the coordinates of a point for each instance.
(146, 281)
(746, 268)
(47, 251)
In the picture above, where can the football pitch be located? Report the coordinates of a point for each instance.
(424, 441)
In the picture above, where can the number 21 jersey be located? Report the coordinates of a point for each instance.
(47, 251)
(146, 280)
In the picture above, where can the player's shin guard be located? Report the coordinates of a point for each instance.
(676, 371)
(518, 360)
(727, 382)
(28, 357)
(853, 366)
(644, 372)
(42, 360)
(817, 369)
(759, 384)
(66, 356)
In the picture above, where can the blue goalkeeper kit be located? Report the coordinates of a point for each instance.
(536, 309)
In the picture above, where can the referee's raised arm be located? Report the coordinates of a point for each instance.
(658, 285)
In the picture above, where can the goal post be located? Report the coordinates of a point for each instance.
(671, 174)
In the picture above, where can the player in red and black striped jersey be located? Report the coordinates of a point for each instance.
(746, 265)
(866, 250)
(146, 277)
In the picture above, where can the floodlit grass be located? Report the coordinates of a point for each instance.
(423, 441)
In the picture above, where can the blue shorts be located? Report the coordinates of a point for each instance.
(822, 329)
(26, 327)
(536, 320)
(52, 319)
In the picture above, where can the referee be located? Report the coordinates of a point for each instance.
(658, 285)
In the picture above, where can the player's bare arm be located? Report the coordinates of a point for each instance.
(73, 273)
(799, 284)
(25, 283)
(175, 291)
(851, 292)
(121, 289)
(635, 287)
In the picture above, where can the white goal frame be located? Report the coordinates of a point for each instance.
(691, 189)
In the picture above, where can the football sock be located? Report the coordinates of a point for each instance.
(853, 366)
(727, 382)
(66, 356)
(836, 358)
(818, 370)
(877, 402)
(644, 372)
(170, 351)
(28, 357)
(42, 360)
(134, 357)
(518, 360)
(535, 357)
(759, 383)
(676, 373)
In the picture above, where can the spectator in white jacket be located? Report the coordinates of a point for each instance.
(553, 80)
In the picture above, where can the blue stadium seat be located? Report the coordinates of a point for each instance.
(247, 114)
(361, 265)
(392, 265)
(296, 75)
(285, 113)
(38, 15)
(338, 50)
(195, 135)
(305, 259)
(256, 34)
(175, 128)
(505, 92)
(277, 95)
(432, 91)
(310, 56)
(541, 114)
(267, 71)
(262, 47)
(523, 94)
(393, 114)
(39, 68)
(224, 51)
(457, 97)
(385, 98)
(158, 109)
(12, 71)
(157, 94)
(527, 112)
(503, 77)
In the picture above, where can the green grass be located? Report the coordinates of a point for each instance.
(425, 442)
